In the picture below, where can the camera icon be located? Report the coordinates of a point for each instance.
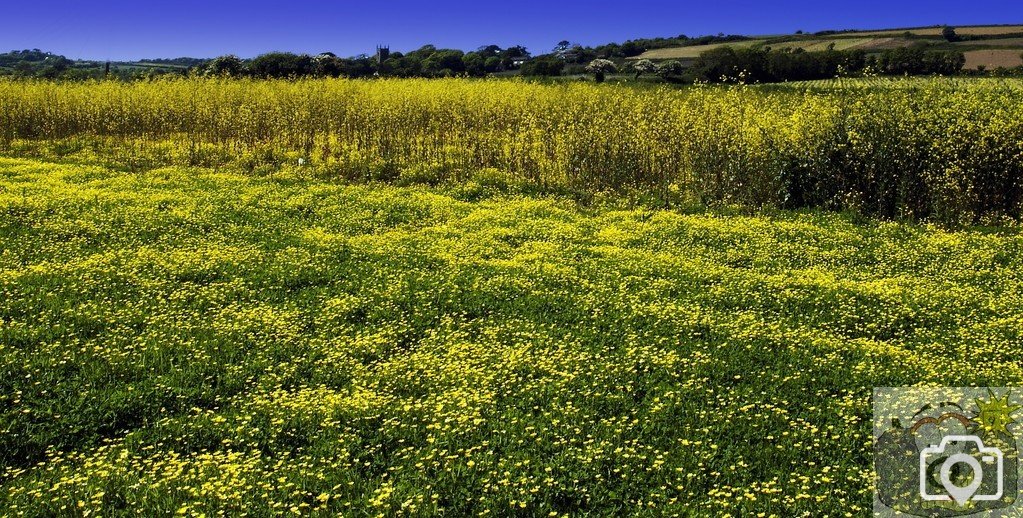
(976, 461)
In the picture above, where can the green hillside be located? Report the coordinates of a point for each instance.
(984, 46)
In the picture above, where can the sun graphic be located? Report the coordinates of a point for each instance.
(995, 414)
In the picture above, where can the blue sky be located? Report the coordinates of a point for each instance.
(134, 30)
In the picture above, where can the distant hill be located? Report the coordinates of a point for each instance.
(37, 63)
(988, 46)
(174, 62)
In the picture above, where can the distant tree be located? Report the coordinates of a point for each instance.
(949, 33)
(944, 63)
(630, 49)
(57, 64)
(444, 62)
(901, 61)
(228, 65)
(328, 65)
(918, 60)
(543, 66)
(24, 68)
(511, 54)
(732, 64)
(492, 64)
(362, 66)
(608, 51)
(401, 66)
(572, 52)
(422, 53)
(670, 69)
(518, 51)
(281, 64)
(474, 63)
(600, 67)
(644, 66)
(488, 51)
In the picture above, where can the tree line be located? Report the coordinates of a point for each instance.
(764, 65)
(718, 64)
(426, 61)
(429, 61)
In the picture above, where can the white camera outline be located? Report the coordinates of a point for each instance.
(984, 451)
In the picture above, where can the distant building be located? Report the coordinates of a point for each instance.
(383, 52)
(518, 61)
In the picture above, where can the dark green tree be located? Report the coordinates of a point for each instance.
(444, 62)
(474, 64)
(543, 66)
(281, 65)
(227, 65)
(949, 33)
(669, 70)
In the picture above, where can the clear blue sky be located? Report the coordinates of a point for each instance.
(160, 28)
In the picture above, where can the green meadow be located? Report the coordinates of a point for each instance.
(183, 340)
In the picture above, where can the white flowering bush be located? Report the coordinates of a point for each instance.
(644, 66)
(601, 67)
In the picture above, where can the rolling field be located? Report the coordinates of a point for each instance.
(994, 58)
(981, 30)
(694, 51)
(809, 45)
(998, 42)
(412, 297)
(192, 342)
(1008, 55)
(823, 44)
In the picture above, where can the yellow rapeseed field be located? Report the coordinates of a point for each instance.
(473, 298)
(948, 150)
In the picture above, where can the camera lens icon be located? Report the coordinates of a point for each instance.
(989, 456)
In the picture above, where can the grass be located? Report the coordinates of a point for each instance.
(977, 30)
(694, 51)
(876, 41)
(182, 340)
(817, 45)
(998, 42)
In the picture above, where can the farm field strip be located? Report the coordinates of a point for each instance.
(693, 51)
(823, 44)
(994, 58)
(905, 83)
(991, 30)
(875, 41)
